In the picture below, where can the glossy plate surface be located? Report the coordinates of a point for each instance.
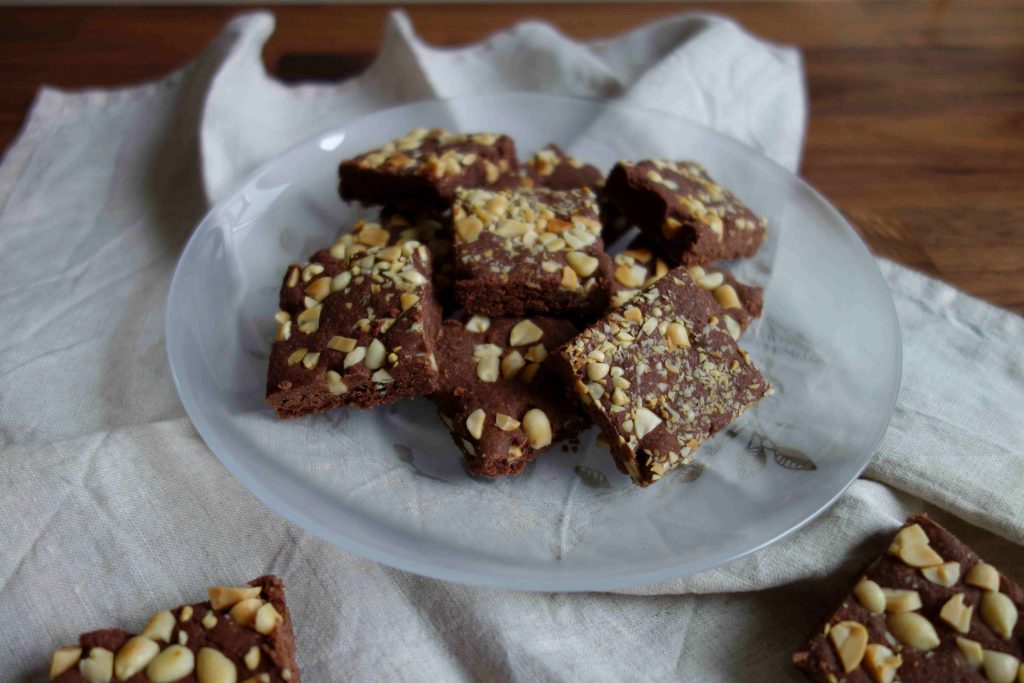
(388, 484)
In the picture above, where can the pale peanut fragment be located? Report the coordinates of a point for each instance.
(984, 576)
(645, 422)
(1000, 667)
(999, 613)
(134, 656)
(946, 574)
(267, 619)
(506, 423)
(475, 423)
(335, 385)
(252, 657)
(222, 597)
(569, 278)
(850, 639)
(583, 264)
(511, 364)
(676, 333)
(971, 650)
(525, 332)
(63, 659)
(957, 614)
(537, 428)
(881, 663)
(160, 626)
(478, 323)
(899, 600)
(488, 368)
(98, 667)
(172, 664)
(213, 667)
(913, 630)
(920, 556)
(908, 536)
(343, 344)
(244, 612)
(870, 595)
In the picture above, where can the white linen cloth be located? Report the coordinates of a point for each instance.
(112, 507)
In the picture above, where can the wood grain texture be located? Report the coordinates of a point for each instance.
(917, 108)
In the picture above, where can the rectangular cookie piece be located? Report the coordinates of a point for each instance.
(638, 267)
(681, 209)
(660, 376)
(357, 326)
(519, 252)
(929, 609)
(499, 396)
(240, 634)
(553, 169)
(423, 168)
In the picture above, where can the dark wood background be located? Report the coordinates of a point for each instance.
(917, 108)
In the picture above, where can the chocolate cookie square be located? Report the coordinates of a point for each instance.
(240, 634)
(639, 266)
(929, 609)
(681, 209)
(357, 326)
(519, 252)
(499, 395)
(660, 376)
(423, 168)
(551, 168)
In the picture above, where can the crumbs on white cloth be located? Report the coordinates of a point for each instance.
(113, 507)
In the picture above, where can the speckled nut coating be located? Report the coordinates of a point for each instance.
(423, 168)
(180, 648)
(499, 396)
(553, 169)
(640, 266)
(660, 376)
(515, 248)
(681, 209)
(936, 625)
(357, 325)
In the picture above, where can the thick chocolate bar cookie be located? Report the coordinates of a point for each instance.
(357, 326)
(929, 609)
(423, 168)
(681, 209)
(519, 252)
(240, 634)
(551, 168)
(660, 376)
(638, 267)
(499, 396)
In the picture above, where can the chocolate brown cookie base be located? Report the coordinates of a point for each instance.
(499, 396)
(529, 251)
(423, 169)
(357, 326)
(240, 634)
(553, 169)
(929, 609)
(681, 209)
(660, 376)
(639, 266)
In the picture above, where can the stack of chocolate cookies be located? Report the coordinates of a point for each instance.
(487, 285)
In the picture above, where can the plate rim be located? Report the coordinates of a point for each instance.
(613, 582)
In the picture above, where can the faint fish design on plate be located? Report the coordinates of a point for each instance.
(592, 478)
(789, 458)
(687, 474)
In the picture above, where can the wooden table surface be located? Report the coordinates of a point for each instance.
(916, 108)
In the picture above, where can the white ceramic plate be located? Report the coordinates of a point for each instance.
(388, 483)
